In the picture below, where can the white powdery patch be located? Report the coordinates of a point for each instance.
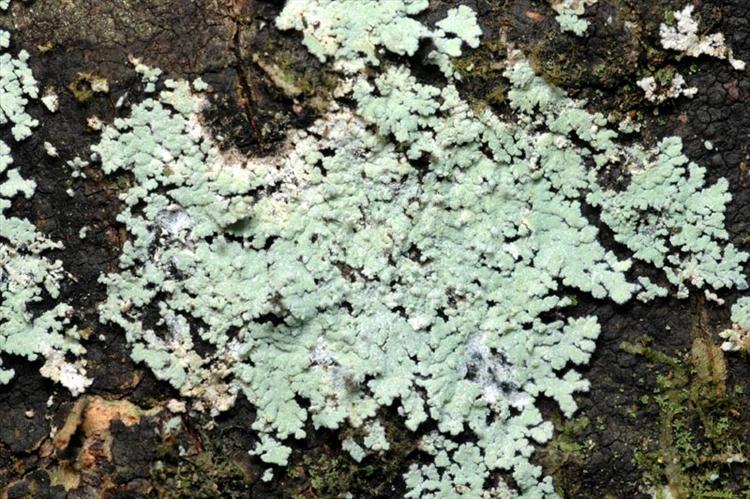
(735, 339)
(174, 220)
(494, 374)
(658, 93)
(320, 354)
(685, 38)
(51, 100)
(71, 375)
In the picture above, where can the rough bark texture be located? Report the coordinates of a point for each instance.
(652, 415)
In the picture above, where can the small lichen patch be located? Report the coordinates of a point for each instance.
(668, 218)
(737, 338)
(569, 12)
(50, 150)
(51, 100)
(149, 75)
(657, 93)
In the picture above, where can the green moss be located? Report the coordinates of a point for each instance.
(289, 67)
(700, 437)
(557, 68)
(481, 72)
(568, 439)
(669, 18)
(204, 475)
(329, 472)
(664, 76)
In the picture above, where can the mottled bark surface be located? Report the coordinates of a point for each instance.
(661, 408)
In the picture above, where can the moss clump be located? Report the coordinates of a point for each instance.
(481, 72)
(205, 475)
(701, 449)
(293, 75)
(329, 471)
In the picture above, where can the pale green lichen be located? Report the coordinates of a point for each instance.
(650, 291)
(351, 33)
(460, 22)
(354, 449)
(374, 440)
(459, 25)
(199, 85)
(408, 252)
(737, 338)
(17, 86)
(741, 313)
(26, 277)
(669, 218)
(568, 15)
(346, 236)
(149, 75)
(457, 470)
